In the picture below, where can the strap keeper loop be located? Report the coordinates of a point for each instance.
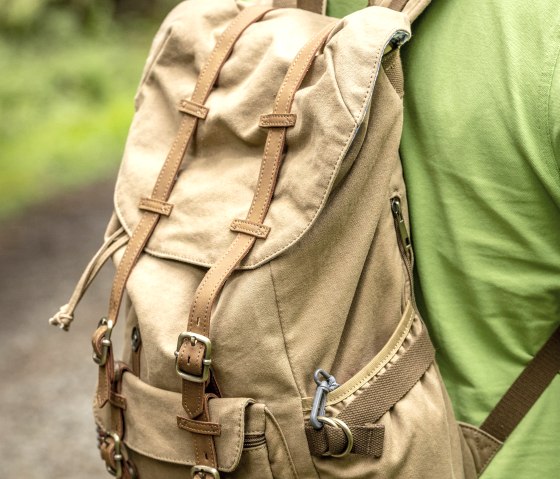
(194, 109)
(250, 227)
(156, 206)
(277, 120)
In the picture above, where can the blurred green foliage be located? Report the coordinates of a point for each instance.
(69, 70)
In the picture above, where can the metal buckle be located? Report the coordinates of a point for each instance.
(207, 360)
(334, 422)
(205, 470)
(106, 342)
(117, 456)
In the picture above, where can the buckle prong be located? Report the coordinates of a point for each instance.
(105, 342)
(117, 456)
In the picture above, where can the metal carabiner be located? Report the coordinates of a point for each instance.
(324, 387)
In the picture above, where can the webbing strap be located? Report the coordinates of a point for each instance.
(525, 391)
(412, 8)
(191, 353)
(368, 408)
(315, 6)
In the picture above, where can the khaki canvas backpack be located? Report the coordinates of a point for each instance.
(261, 242)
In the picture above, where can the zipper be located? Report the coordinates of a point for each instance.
(253, 440)
(404, 242)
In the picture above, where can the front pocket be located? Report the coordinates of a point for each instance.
(250, 446)
(265, 452)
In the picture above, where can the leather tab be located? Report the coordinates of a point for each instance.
(199, 427)
(276, 120)
(117, 400)
(156, 206)
(250, 227)
(194, 109)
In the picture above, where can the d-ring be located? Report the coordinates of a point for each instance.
(335, 422)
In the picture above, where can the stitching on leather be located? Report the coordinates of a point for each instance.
(191, 108)
(156, 206)
(250, 227)
(206, 428)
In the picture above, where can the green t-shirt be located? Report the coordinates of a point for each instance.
(481, 150)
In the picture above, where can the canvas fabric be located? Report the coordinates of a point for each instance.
(329, 287)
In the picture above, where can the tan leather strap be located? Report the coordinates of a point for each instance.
(166, 178)
(368, 408)
(194, 111)
(525, 391)
(191, 353)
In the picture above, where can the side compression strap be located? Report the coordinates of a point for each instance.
(368, 408)
(525, 391)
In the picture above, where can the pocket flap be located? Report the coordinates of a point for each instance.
(151, 424)
(221, 166)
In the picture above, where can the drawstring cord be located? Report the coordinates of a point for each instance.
(65, 315)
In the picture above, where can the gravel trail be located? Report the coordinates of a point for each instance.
(47, 375)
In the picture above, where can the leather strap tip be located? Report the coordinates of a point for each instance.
(276, 120)
(251, 228)
(194, 109)
(155, 206)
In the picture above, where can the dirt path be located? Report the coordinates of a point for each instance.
(47, 375)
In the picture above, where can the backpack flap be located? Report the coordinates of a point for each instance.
(220, 170)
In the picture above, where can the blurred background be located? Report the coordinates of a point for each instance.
(68, 74)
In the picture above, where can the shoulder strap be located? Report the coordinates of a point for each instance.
(153, 208)
(412, 8)
(315, 6)
(524, 392)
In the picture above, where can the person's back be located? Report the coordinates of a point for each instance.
(480, 150)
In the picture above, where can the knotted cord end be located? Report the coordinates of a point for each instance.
(62, 318)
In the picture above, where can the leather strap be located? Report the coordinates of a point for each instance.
(168, 173)
(191, 353)
(525, 391)
(194, 110)
(368, 408)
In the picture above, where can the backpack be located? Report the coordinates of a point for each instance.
(261, 244)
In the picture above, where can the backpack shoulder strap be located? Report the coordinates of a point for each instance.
(524, 392)
(315, 6)
(412, 8)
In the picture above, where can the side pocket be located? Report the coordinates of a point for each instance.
(265, 452)
(401, 391)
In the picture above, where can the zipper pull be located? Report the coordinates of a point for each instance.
(403, 232)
